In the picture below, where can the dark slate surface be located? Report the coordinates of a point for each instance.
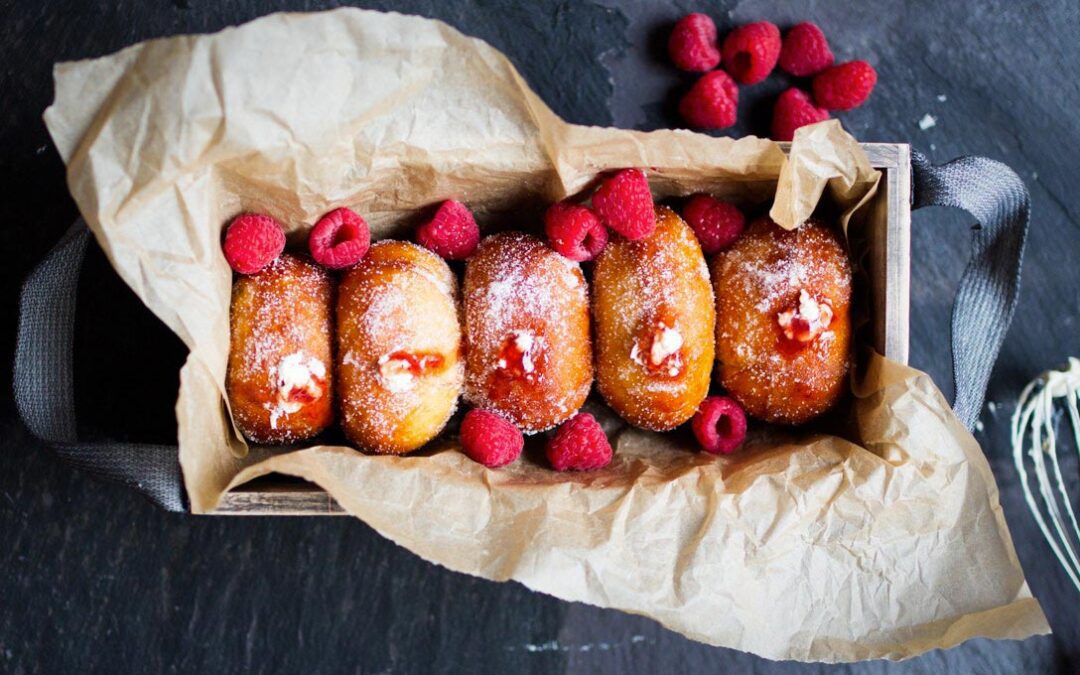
(92, 578)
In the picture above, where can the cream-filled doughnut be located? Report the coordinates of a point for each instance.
(279, 380)
(528, 349)
(399, 369)
(654, 318)
(783, 332)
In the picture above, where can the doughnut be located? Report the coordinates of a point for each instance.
(782, 331)
(654, 315)
(399, 371)
(278, 381)
(528, 354)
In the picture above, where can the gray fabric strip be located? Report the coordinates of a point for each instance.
(44, 387)
(986, 298)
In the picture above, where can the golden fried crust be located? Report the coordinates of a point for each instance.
(399, 348)
(279, 379)
(654, 316)
(777, 378)
(528, 353)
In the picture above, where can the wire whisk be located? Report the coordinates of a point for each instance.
(1033, 428)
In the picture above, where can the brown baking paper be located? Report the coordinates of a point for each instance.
(813, 547)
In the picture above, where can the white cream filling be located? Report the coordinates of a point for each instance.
(524, 341)
(396, 375)
(669, 342)
(665, 343)
(817, 316)
(295, 371)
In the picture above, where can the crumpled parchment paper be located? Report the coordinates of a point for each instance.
(816, 547)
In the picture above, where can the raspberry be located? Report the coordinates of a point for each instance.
(340, 239)
(845, 86)
(452, 232)
(692, 45)
(719, 425)
(490, 439)
(794, 109)
(575, 231)
(625, 204)
(717, 224)
(712, 103)
(806, 51)
(751, 51)
(580, 444)
(252, 242)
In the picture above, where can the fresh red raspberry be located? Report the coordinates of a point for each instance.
(692, 45)
(806, 51)
(794, 109)
(452, 232)
(712, 103)
(340, 239)
(845, 86)
(252, 242)
(717, 224)
(625, 204)
(490, 439)
(719, 425)
(580, 444)
(751, 51)
(575, 231)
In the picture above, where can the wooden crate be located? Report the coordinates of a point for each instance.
(887, 232)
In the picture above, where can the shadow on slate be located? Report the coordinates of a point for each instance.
(127, 363)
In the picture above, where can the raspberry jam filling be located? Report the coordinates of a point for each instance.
(658, 348)
(518, 355)
(399, 369)
(299, 379)
(806, 321)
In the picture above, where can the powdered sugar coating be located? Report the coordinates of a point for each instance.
(654, 316)
(768, 273)
(278, 382)
(399, 345)
(517, 291)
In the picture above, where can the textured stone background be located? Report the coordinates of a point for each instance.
(93, 579)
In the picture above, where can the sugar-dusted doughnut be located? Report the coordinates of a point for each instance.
(654, 315)
(782, 330)
(279, 380)
(528, 353)
(399, 369)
